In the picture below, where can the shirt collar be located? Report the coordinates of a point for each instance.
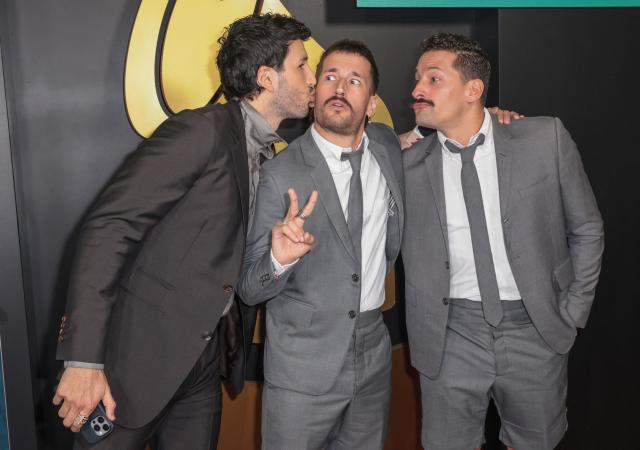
(486, 129)
(332, 151)
(257, 130)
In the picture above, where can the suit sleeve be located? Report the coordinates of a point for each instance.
(584, 227)
(258, 283)
(149, 183)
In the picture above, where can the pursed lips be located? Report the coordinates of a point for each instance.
(338, 103)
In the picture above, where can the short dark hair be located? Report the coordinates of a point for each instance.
(472, 62)
(356, 48)
(251, 42)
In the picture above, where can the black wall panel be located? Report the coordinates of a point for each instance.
(69, 131)
(15, 367)
(581, 65)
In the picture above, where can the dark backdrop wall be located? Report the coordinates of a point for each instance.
(581, 65)
(64, 62)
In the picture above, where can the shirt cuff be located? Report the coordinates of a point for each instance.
(83, 365)
(228, 307)
(279, 269)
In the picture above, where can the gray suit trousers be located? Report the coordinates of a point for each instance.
(352, 414)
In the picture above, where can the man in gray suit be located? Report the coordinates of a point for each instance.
(502, 251)
(327, 359)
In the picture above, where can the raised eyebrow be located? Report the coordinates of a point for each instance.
(335, 69)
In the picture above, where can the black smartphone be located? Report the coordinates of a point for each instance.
(97, 427)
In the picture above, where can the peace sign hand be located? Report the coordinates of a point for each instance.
(289, 241)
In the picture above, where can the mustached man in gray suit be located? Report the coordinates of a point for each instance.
(327, 361)
(502, 251)
(161, 251)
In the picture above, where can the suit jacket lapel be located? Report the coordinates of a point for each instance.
(433, 165)
(239, 155)
(382, 158)
(327, 194)
(504, 158)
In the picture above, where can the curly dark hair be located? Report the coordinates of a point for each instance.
(472, 62)
(356, 48)
(251, 42)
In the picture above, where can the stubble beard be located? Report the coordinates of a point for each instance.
(343, 126)
(426, 120)
(287, 106)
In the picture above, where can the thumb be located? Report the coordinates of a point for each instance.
(109, 404)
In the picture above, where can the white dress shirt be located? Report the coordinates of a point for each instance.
(464, 281)
(375, 202)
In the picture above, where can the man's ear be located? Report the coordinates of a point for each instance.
(267, 78)
(474, 90)
(371, 107)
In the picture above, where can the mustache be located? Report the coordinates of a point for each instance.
(340, 99)
(424, 100)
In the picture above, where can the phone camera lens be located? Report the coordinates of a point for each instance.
(100, 419)
(96, 427)
(105, 427)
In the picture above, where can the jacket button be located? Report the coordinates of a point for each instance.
(207, 335)
(505, 220)
(355, 277)
(446, 265)
(228, 288)
(445, 301)
(352, 314)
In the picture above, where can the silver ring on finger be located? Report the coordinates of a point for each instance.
(80, 420)
(302, 215)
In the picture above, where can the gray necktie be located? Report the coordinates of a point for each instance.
(485, 270)
(354, 208)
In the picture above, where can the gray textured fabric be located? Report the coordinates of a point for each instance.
(311, 307)
(354, 208)
(353, 415)
(510, 364)
(260, 139)
(485, 270)
(552, 230)
(83, 365)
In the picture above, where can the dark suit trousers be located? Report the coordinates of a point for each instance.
(191, 419)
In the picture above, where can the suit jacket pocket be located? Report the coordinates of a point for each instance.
(534, 187)
(563, 275)
(291, 311)
(148, 288)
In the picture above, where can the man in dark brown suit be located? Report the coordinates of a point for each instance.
(160, 252)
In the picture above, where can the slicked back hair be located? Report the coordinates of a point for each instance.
(471, 60)
(251, 42)
(354, 48)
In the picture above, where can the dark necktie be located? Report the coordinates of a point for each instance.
(354, 208)
(485, 270)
